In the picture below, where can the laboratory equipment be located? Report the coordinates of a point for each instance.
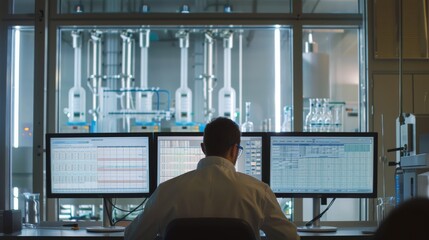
(117, 103)
(317, 120)
(384, 206)
(309, 116)
(78, 8)
(191, 127)
(287, 119)
(208, 76)
(120, 101)
(227, 8)
(180, 152)
(76, 111)
(384, 203)
(337, 114)
(423, 185)
(145, 8)
(399, 184)
(227, 98)
(32, 209)
(146, 127)
(247, 126)
(95, 73)
(184, 8)
(324, 116)
(127, 74)
(323, 165)
(183, 93)
(144, 98)
(266, 125)
(315, 71)
(412, 139)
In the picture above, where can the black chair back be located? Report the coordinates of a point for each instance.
(209, 229)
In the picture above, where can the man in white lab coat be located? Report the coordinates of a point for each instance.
(214, 189)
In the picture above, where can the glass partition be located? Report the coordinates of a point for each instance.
(21, 6)
(331, 6)
(168, 78)
(173, 78)
(331, 79)
(168, 6)
(133, 79)
(21, 73)
(153, 78)
(331, 87)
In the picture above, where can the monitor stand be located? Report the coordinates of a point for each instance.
(315, 227)
(106, 221)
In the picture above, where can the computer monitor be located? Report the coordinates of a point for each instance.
(321, 165)
(179, 152)
(93, 165)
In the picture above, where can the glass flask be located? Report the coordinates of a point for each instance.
(327, 116)
(307, 123)
(337, 112)
(32, 209)
(315, 121)
(287, 119)
(384, 206)
(247, 125)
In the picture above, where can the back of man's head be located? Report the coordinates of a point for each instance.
(219, 135)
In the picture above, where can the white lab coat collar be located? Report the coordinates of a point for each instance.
(215, 160)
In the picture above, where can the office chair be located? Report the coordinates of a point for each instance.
(209, 229)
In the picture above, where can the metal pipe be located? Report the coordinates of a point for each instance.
(144, 99)
(208, 77)
(144, 41)
(227, 45)
(123, 61)
(95, 75)
(127, 66)
(184, 45)
(401, 117)
(110, 59)
(127, 73)
(240, 75)
(77, 45)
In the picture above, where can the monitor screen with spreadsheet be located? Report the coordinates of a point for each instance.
(179, 152)
(323, 164)
(98, 165)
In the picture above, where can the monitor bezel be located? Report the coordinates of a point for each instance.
(50, 194)
(267, 168)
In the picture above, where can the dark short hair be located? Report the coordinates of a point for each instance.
(219, 135)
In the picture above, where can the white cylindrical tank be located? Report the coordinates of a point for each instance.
(316, 75)
(315, 71)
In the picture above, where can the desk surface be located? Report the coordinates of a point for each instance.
(59, 233)
(52, 233)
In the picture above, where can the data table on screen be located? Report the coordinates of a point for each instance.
(99, 165)
(180, 154)
(336, 165)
